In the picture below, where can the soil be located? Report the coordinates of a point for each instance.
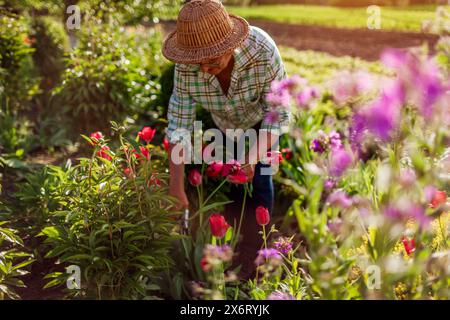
(363, 43)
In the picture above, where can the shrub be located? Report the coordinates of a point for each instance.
(17, 74)
(50, 47)
(12, 262)
(112, 223)
(111, 74)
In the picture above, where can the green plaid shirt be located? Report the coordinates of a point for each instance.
(257, 64)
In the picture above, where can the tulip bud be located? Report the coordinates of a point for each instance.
(262, 216)
(194, 177)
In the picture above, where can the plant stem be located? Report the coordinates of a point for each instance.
(236, 235)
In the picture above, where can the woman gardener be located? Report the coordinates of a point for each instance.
(225, 66)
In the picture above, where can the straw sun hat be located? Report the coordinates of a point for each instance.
(204, 31)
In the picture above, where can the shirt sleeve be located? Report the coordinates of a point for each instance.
(181, 109)
(275, 71)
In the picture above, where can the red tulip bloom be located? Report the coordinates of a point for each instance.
(166, 144)
(214, 169)
(238, 177)
(103, 153)
(95, 138)
(262, 216)
(409, 245)
(144, 152)
(194, 177)
(147, 134)
(218, 225)
(288, 154)
(439, 198)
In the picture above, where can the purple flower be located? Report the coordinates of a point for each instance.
(291, 84)
(407, 177)
(341, 159)
(418, 213)
(356, 133)
(413, 211)
(279, 99)
(277, 295)
(329, 185)
(382, 117)
(335, 226)
(305, 97)
(316, 146)
(269, 256)
(429, 192)
(419, 80)
(272, 116)
(217, 254)
(283, 245)
(339, 198)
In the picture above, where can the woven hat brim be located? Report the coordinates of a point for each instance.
(174, 53)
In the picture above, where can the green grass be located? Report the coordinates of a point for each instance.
(403, 19)
(319, 67)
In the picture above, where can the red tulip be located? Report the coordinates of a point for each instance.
(439, 198)
(218, 225)
(103, 153)
(214, 169)
(166, 144)
(288, 154)
(230, 168)
(95, 138)
(194, 177)
(262, 216)
(144, 152)
(238, 177)
(409, 245)
(147, 134)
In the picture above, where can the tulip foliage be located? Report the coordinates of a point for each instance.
(109, 216)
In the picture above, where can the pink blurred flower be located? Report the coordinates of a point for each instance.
(348, 84)
(341, 159)
(339, 198)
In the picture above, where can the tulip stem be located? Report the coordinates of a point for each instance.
(200, 205)
(236, 235)
(264, 237)
(207, 199)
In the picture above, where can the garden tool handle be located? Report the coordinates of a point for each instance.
(186, 221)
